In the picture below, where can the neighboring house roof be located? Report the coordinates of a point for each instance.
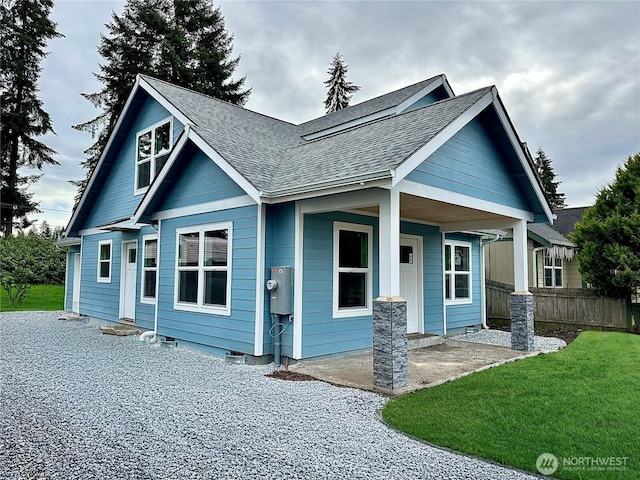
(375, 105)
(544, 234)
(567, 218)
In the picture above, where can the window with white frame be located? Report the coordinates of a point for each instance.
(457, 271)
(149, 268)
(352, 269)
(104, 261)
(152, 150)
(552, 272)
(203, 268)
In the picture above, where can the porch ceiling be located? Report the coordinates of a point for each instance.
(436, 212)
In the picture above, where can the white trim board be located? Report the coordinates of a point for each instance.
(258, 344)
(215, 206)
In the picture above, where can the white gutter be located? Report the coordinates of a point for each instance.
(535, 265)
(483, 300)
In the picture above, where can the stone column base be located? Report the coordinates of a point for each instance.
(522, 321)
(390, 363)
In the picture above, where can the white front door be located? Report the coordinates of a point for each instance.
(410, 281)
(129, 279)
(75, 299)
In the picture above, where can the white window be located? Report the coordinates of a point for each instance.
(352, 269)
(149, 268)
(457, 272)
(104, 261)
(203, 268)
(152, 150)
(552, 272)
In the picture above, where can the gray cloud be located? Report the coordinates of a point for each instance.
(568, 72)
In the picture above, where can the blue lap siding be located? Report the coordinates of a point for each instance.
(470, 163)
(323, 334)
(116, 199)
(279, 251)
(230, 333)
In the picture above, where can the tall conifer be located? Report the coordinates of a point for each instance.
(181, 41)
(25, 28)
(340, 91)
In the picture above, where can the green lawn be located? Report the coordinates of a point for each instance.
(580, 404)
(41, 297)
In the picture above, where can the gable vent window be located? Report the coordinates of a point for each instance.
(152, 150)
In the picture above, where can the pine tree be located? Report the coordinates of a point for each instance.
(181, 41)
(25, 28)
(340, 91)
(547, 176)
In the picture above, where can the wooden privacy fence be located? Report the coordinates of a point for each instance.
(579, 307)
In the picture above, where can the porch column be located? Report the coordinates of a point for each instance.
(389, 246)
(521, 299)
(390, 356)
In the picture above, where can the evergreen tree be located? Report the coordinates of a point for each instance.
(608, 236)
(25, 28)
(547, 175)
(181, 41)
(340, 91)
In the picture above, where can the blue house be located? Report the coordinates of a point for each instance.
(194, 200)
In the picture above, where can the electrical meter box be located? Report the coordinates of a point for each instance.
(280, 287)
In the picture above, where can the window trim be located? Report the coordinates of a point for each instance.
(553, 267)
(145, 239)
(140, 191)
(199, 306)
(452, 282)
(101, 279)
(347, 312)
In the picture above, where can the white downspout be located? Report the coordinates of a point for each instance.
(483, 301)
(534, 261)
(152, 335)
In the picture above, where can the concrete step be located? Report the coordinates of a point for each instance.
(423, 340)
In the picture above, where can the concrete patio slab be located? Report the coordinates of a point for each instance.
(428, 366)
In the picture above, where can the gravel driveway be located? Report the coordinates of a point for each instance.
(78, 404)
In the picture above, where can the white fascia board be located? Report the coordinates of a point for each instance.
(164, 102)
(215, 206)
(360, 182)
(91, 231)
(252, 191)
(352, 123)
(445, 134)
(517, 147)
(87, 189)
(342, 201)
(69, 241)
(159, 180)
(435, 83)
(454, 198)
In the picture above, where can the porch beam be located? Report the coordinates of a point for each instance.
(389, 247)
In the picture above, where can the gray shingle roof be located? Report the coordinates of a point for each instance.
(363, 109)
(567, 219)
(545, 231)
(275, 159)
(251, 142)
(372, 148)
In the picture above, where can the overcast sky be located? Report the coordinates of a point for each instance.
(568, 72)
